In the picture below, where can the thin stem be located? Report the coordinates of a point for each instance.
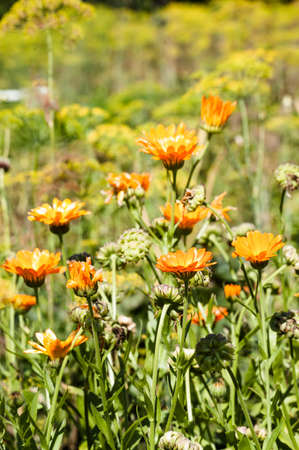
(173, 203)
(217, 244)
(245, 127)
(281, 205)
(180, 372)
(197, 161)
(219, 412)
(38, 311)
(274, 274)
(5, 214)
(289, 428)
(247, 279)
(155, 375)
(244, 407)
(153, 269)
(51, 92)
(114, 306)
(293, 364)
(101, 374)
(188, 396)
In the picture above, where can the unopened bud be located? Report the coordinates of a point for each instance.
(134, 245)
(214, 352)
(194, 198)
(172, 440)
(105, 254)
(218, 387)
(164, 294)
(290, 254)
(286, 323)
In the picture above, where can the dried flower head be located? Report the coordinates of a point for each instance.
(185, 219)
(53, 347)
(170, 145)
(286, 323)
(232, 290)
(34, 266)
(185, 264)
(84, 278)
(287, 175)
(194, 197)
(215, 113)
(59, 215)
(257, 247)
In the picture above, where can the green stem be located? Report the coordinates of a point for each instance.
(5, 214)
(188, 396)
(38, 311)
(114, 306)
(173, 202)
(295, 379)
(155, 375)
(197, 161)
(101, 374)
(217, 244)
(289, 428)
(220, 417)
(245, 127)
(54, 400)
(274, 274)
(180, 372)
(244, 407)
(153, 269)
(51, 92)
(281, 205)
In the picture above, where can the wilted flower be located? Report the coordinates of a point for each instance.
(215, 113)
(165, 294)
(290, 254)
(171, 145)
(126, 184)
(185, 219)
(232, 290)
(287, 175)
(127, 322)
(213, 352)
(172, 440)
(257, 247)
(59, 215)
(185, 264)
(53, 347)
(22, 302)
(286, 323)
(134, 245)
(34, 266)
(84, 278)
(194, 197)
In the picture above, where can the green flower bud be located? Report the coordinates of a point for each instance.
(105, 253)
(194, 197)
(181, 361)
(218, 387)
(164, 294)
(290, 254)
(287, 175)
(134, 245)
(286, 323)
(200, 279)
(213, 352)
(172, 440)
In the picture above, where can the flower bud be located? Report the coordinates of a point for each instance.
(213, 352)
(164, 294)
(290, 254)
(200, 279)
(286, 323)
(172, 440)
(218, 387)
(181, 361)
(128, 323)
(194, 197)
(134, 245)
(243, 228)
(105, 253)
(287, 175)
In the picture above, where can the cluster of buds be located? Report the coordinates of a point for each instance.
(134, 245)
(194, 197)
(172, 440)
(164, 294)
(80, 313)
(287, 175)
(201, 279)
(214, 352)
(260, 432)
(286, 323)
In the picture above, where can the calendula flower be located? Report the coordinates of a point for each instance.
(232, 290)
(59, 215)
(170, 145)
(84, 278)
(215, 113)
(217, 205)
(219, 313)
(22, 302)
(34, 266)
(53, 347)
(184, 218)
(122, 184)
(257, 247)
(185, 264)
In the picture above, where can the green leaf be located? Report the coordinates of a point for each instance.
(128, 438)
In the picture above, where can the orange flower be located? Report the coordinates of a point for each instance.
(232, 290)
(58, 215)
(217, 205)
(84, 278)
(257, 247)
(215, 113)
(185, 219)
(185, 264)
(52, 346)
(22, 302)
(34, 266)
(120, 184)
(219, 313)
(171, 145)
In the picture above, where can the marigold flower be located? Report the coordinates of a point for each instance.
(84, 278)
(219, 313)
(53, 347)
(170, 145)
(59, 215)
(22, 302)
(184, 218)
(232, 290)
(217, 205)
(185, 264)
(215, 113)
(122, 182)
(257, 247)
(34, 266)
